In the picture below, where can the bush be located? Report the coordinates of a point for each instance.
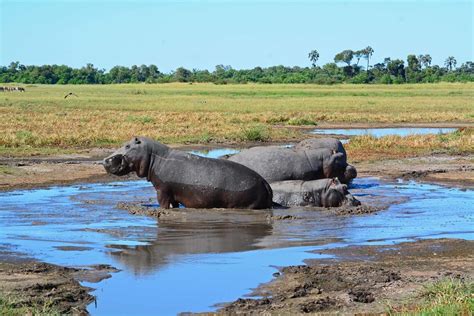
(301, 121)
(255, 134)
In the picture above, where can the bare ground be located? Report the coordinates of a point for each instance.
(361, 280)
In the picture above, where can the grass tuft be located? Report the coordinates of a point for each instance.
(256, 133)
(445, 297)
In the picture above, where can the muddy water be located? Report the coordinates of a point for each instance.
(380, 132)
(193, 259)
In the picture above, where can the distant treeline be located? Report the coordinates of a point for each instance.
(417, 69)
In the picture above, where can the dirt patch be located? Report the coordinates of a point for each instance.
(35, 284)
(442, 169)
(361, 279)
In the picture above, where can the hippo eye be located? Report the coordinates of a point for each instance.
(127, 147)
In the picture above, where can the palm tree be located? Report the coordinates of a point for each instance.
(450, 63)
(368, 51)
(313, 57)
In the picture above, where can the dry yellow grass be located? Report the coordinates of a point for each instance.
(41, 120)
(368, 147)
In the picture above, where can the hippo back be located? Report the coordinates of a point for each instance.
(274, 163)
(316, 143)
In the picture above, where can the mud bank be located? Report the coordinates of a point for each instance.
(441, 169)
(364, 279)
(37, 285)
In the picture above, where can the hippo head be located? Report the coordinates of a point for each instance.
(338, 195)
(132, 156)
(349, 174)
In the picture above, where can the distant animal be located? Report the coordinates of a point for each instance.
(21, 89)
(70, 94)
(2, 88)
(190, 180)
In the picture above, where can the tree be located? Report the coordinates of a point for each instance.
(182, 75)
(413, 63)
(425, 60)
(345, 56)
(368, 52)
(313, 57)
(450, 63)
(359, 54)
(396, 68)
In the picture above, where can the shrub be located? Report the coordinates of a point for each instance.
(255, 134)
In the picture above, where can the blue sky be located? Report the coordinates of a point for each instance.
(243, 34)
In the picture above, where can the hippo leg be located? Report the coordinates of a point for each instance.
(164, 199)
(175, 204)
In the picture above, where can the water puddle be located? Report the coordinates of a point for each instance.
(380, 132)
(192, 262)
(215, 153)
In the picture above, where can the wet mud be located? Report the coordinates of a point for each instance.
(361, 279)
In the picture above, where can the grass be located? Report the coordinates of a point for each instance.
(445, 297)
(368, 147)
(13, 307)
(42, 121)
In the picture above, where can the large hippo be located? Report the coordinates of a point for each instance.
(193, 181)
(275, 163)
(323, 192)
(350, 171)
(325, 142)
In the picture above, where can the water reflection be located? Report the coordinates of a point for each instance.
(203, 232)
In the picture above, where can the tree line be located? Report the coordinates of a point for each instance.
(346, 68)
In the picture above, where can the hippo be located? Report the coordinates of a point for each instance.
(326, 142)
(322, 192)
(193, 181)
(350, 171)
(275, 163)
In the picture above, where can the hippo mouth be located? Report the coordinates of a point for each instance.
(350, 200)
(116, 165)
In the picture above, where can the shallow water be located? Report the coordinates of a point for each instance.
(380, 132)
(206, 257)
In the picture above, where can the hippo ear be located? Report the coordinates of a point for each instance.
(137, 141)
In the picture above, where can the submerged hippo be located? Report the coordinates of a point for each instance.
(193, 181)
(275, 163)
(323, 192)
(350, 171)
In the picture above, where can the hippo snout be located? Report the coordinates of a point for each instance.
(351, 200)
(113, 164)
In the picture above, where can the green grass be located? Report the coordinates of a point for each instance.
(255, 134)
(13, 307)
(107, 115)
(445, 297)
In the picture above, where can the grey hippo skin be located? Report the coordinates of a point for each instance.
(327, 142)
(193, 181)
(275, 163)
(349, 171)
(323, 192)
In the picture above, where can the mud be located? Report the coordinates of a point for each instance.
(363, 280)
(441, 169)
(40, 284)
(146, 208)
